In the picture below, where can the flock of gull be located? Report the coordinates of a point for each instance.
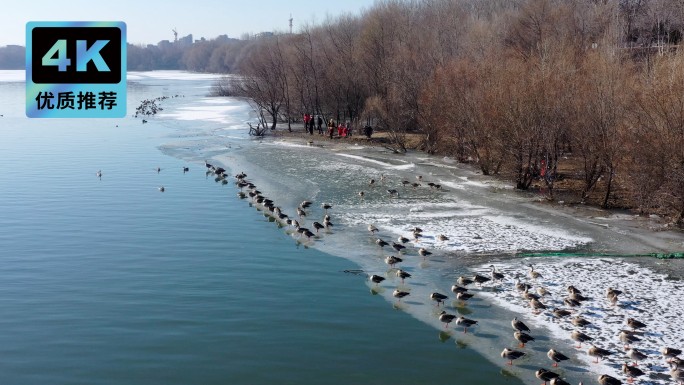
(629, 336)
(574, 299)
(274, 211)
(149, 107)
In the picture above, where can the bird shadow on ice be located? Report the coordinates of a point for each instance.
(632, 305)
(490, 289)
(575, 369)
(659, 376)
(528, 367)
(508, 373)
(541, 338)
(591, 311)
(413, 303)
(486, 335)
(539, 349)
(650, 352)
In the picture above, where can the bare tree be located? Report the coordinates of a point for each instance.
(263, 78)
(661, 131)
(516, 86)
(605, 102)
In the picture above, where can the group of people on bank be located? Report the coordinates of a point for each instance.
(310, 122)
(343, 129)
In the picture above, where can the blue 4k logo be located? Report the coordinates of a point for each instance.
(83, 56)
(75, 69)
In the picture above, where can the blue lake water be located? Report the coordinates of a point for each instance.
(110, 281)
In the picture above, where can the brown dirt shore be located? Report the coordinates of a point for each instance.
(379, 139)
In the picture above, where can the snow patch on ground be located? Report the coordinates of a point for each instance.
(648, 296)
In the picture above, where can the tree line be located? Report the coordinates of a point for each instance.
(12, 57)
(217, 55)
(585, 96)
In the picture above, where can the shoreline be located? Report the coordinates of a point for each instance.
(651, 233)
(494, 306)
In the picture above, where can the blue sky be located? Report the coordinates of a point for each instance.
(149, 21)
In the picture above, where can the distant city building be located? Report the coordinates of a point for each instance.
(12, 57)
(185, 41)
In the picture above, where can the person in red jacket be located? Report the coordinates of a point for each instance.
(307, 118)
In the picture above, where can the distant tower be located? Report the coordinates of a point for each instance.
(290, 24)
(175, 35)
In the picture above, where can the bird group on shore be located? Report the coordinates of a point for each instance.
(149, 107)
(269, 209)
(575, 301)
(394, 192)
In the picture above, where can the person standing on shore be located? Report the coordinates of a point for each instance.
(307, 117)
(368, 131)
(320, 125)
(331, 128)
